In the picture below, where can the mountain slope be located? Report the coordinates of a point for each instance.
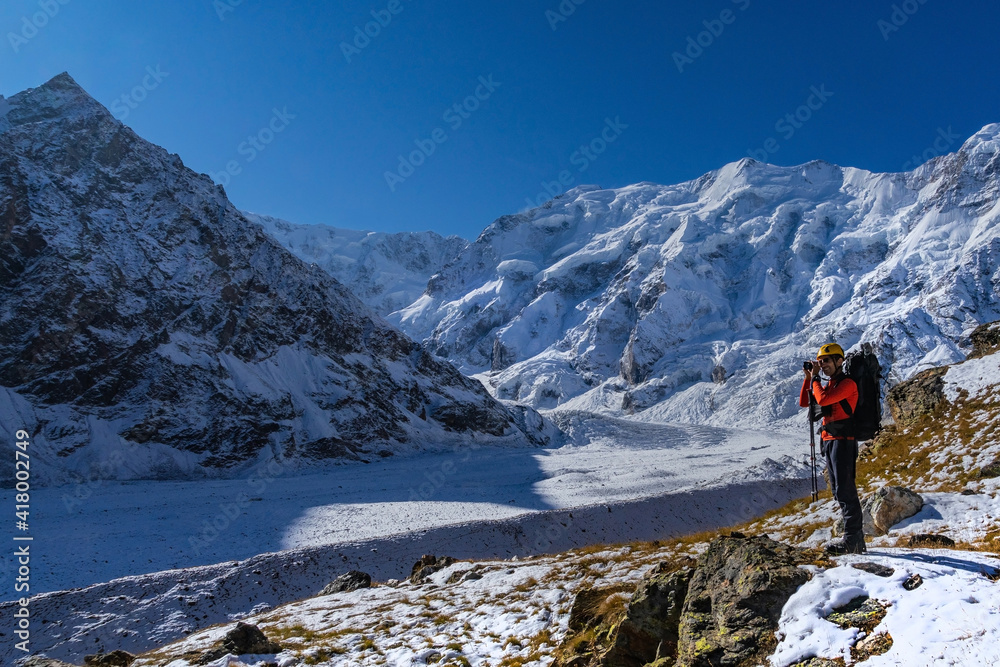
(696, 302)
(386, 271)
(150, 330)
(528, 611)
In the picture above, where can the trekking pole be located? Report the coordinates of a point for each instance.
(812, 446)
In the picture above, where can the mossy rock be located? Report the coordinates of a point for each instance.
(820, 662)
(649, 630)
(735, 598)
(862, 612)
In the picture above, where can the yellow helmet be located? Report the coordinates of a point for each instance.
(830, 349)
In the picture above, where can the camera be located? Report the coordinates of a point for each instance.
(807, 365)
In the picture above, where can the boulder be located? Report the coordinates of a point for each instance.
(112, 659)
(985, 339)
(350, 581)
(244, 639)
(918, 396)
(735, 598)
(887, 507)
(650, 627)
(428, 565)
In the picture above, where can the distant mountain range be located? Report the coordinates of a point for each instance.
(149, 329)
(386, 271)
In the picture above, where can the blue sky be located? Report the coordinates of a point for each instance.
(651, 91)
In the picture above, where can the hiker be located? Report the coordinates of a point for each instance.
(837, 399)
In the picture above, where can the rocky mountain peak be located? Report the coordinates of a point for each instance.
(59, 97)
(147, 323)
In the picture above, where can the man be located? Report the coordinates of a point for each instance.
(838, 399)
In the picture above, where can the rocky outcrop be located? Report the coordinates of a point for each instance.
(650, 628)
(990, 470)
(888, 506)
(735, 599)
(350, 581)
(918, 396)
(722, 610)
(428, 565)
(864, 614)
(244, 639)
(985, 339)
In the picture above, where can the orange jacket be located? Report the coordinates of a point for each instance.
(829, 397)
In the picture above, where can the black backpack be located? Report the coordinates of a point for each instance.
(864, 369)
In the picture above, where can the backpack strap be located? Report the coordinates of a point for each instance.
(843, 402)
(847, 407)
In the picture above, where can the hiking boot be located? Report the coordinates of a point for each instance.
(851, 544)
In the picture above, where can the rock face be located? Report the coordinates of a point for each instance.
(148, 327)
(734, 601)
(654, 614)
(918, 396)
(888, 506)
(351, 581)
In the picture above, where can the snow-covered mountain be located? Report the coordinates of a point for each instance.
(386, 271)
(148, 329)
(697, 302)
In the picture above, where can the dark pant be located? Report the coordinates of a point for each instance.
(841, 457)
